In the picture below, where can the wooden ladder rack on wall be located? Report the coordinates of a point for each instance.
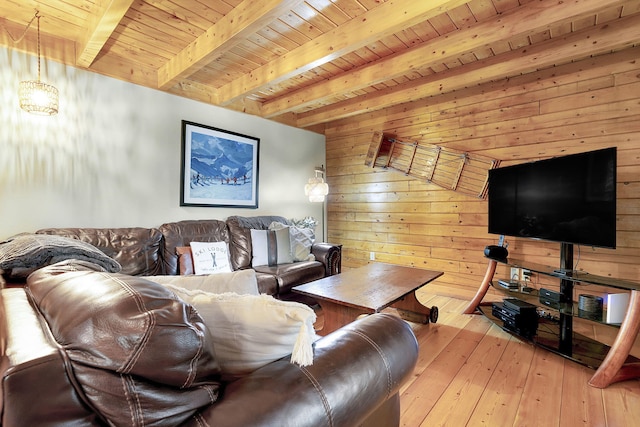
(447, 168)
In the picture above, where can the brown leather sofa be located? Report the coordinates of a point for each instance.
(71, 354)
(153, 251)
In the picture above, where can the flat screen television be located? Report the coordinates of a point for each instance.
(568, 199)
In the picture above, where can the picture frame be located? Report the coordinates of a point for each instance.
(219, 167)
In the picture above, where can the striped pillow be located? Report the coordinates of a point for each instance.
(271, 247)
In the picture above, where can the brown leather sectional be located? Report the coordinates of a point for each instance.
(61, 362)
(152, 251)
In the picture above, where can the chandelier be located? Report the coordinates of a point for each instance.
(35, 96)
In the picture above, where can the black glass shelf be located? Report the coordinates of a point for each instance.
(574, 276)
(533, 297)
(581, 349)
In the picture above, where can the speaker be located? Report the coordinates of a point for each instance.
(617, 307)
(496, 252)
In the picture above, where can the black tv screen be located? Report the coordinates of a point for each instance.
(568, 199)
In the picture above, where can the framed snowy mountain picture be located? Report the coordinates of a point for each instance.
(219, 167)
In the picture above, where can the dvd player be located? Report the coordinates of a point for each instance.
(517, 316)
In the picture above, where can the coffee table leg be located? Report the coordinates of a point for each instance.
(413, 310)
(336, 316)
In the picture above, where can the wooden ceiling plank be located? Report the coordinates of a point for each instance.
(57, 18)
(462, 16)
(285, 34)
(255, 53)
(57, 49)
(147, 12)
(594, 41)
(194, 13)
(302, 24)
(528, 19)
(103, 21)
(266, 39)
(382, 21)
(145, 37)
(353, 8)
(329, 10)
(135, 44)
(482, 9)
(313, 18)
(124, 68)
(247, 18)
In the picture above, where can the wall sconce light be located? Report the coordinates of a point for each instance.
(35, 96)
(317, 189)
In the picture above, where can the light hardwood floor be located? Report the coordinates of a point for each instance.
(472, 373)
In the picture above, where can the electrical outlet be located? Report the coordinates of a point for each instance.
(526, 275)
(372, 256)
(515, 274)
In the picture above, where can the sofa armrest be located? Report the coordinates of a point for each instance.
(357, 370)
(35, 386)
(330, 255)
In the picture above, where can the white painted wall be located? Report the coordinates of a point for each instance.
(111, 157)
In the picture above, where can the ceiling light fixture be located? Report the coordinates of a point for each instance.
(35, 96)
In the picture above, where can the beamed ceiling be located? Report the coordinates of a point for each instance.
(309, 62)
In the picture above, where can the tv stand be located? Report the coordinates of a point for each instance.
(613, 363)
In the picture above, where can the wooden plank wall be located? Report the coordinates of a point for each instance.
(572, 108)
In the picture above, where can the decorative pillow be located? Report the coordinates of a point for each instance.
(270, 247)
(185, 260)
(239, 282)
(250, 331)
(301, 240)
(24, 253)
(210, 257)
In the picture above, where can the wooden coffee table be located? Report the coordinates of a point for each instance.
(370, 289)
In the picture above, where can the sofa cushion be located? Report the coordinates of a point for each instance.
(210, 257)
(136, 249)
(270, 247)
(181, 233)
(250, 331)
(240, 236)
(132, 343)
(293, 274)
(24, 253)
(149, 404)
(301, 241)
(267, 283)
(185, 260)
(239, 282)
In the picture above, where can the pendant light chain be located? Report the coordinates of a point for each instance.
(19, 39)
(38, 16)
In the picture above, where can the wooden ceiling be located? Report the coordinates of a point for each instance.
(309, 62)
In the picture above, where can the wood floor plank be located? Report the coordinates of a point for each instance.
(542, 393)
(458, 402)
(433, 339)
(581, 405)
(500, 400)
(425, 391)
(622, 403)
(436, 337)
